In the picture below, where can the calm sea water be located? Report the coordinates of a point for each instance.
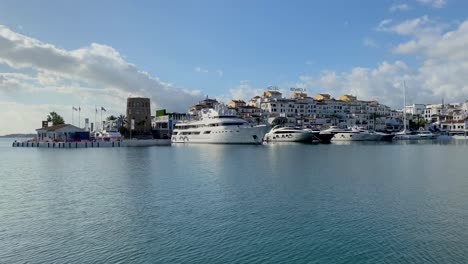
(279, 203)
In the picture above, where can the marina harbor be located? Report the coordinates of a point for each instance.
(234, 132)
(264, 119)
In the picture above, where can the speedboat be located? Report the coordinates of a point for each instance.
(289, 134)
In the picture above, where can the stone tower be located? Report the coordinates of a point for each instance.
(139, 109)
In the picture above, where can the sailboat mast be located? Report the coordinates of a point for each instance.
(404, 106)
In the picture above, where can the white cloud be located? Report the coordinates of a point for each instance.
(399, 7)
(433, 3)
(97, 66)
(421, 25)
(201, 70)
(441, 73)
(384, 23)
(368, 42)
(243, 91)
(220, 73)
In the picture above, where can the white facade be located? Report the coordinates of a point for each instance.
(416, 109)
(57, 133)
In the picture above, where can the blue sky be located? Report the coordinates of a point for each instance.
(231, 49)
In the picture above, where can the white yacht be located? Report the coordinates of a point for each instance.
(333, 130)
(108, 135)
(289, 134)
(356, 135)
(215, 126)
(459, 134)
(415, 135)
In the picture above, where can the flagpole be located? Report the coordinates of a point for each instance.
(95, 118)
(73, 121)
(79, 116)
(102, 125)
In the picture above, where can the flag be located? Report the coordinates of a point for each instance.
(74, 108)
(96, 110)
(79, 108)
(103, 109)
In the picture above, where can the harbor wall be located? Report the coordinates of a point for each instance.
(95, 144)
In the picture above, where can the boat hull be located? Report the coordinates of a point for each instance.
(356, 137)
(290, 137)
(324, 138)
(415, 137)
(225, 135)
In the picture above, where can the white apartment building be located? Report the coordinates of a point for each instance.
(322, 110)
(416, 109)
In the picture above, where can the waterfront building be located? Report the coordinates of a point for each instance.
(322, 97)
(164, 123)
(322, 110)
(236, 103)
(139, 110)
(416, 109)
(203, 104)
(454, 125)
(63, 132)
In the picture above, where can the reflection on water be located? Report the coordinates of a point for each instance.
(365, 202)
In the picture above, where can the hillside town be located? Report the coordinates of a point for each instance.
(322, 111)
(346, 116)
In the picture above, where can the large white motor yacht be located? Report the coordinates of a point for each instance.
(217, 126)
(289, 134)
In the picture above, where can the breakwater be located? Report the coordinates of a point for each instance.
(95, 144)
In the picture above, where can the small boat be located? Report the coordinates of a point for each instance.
(458, 135)
(108, 135)
(289, 134)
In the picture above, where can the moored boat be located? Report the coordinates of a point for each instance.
(289, 134)
(217, 128)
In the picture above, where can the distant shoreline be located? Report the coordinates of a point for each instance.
(19, 135)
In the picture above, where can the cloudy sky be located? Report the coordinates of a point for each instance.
(59, 54)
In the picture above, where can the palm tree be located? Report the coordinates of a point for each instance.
(121, 121)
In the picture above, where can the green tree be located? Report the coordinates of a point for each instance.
(121, 121)
(111, 118)
(55, 118)
(422, 122)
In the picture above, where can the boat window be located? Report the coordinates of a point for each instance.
(207, 132)
(231, 124)
(174, 133)
(285, 132)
